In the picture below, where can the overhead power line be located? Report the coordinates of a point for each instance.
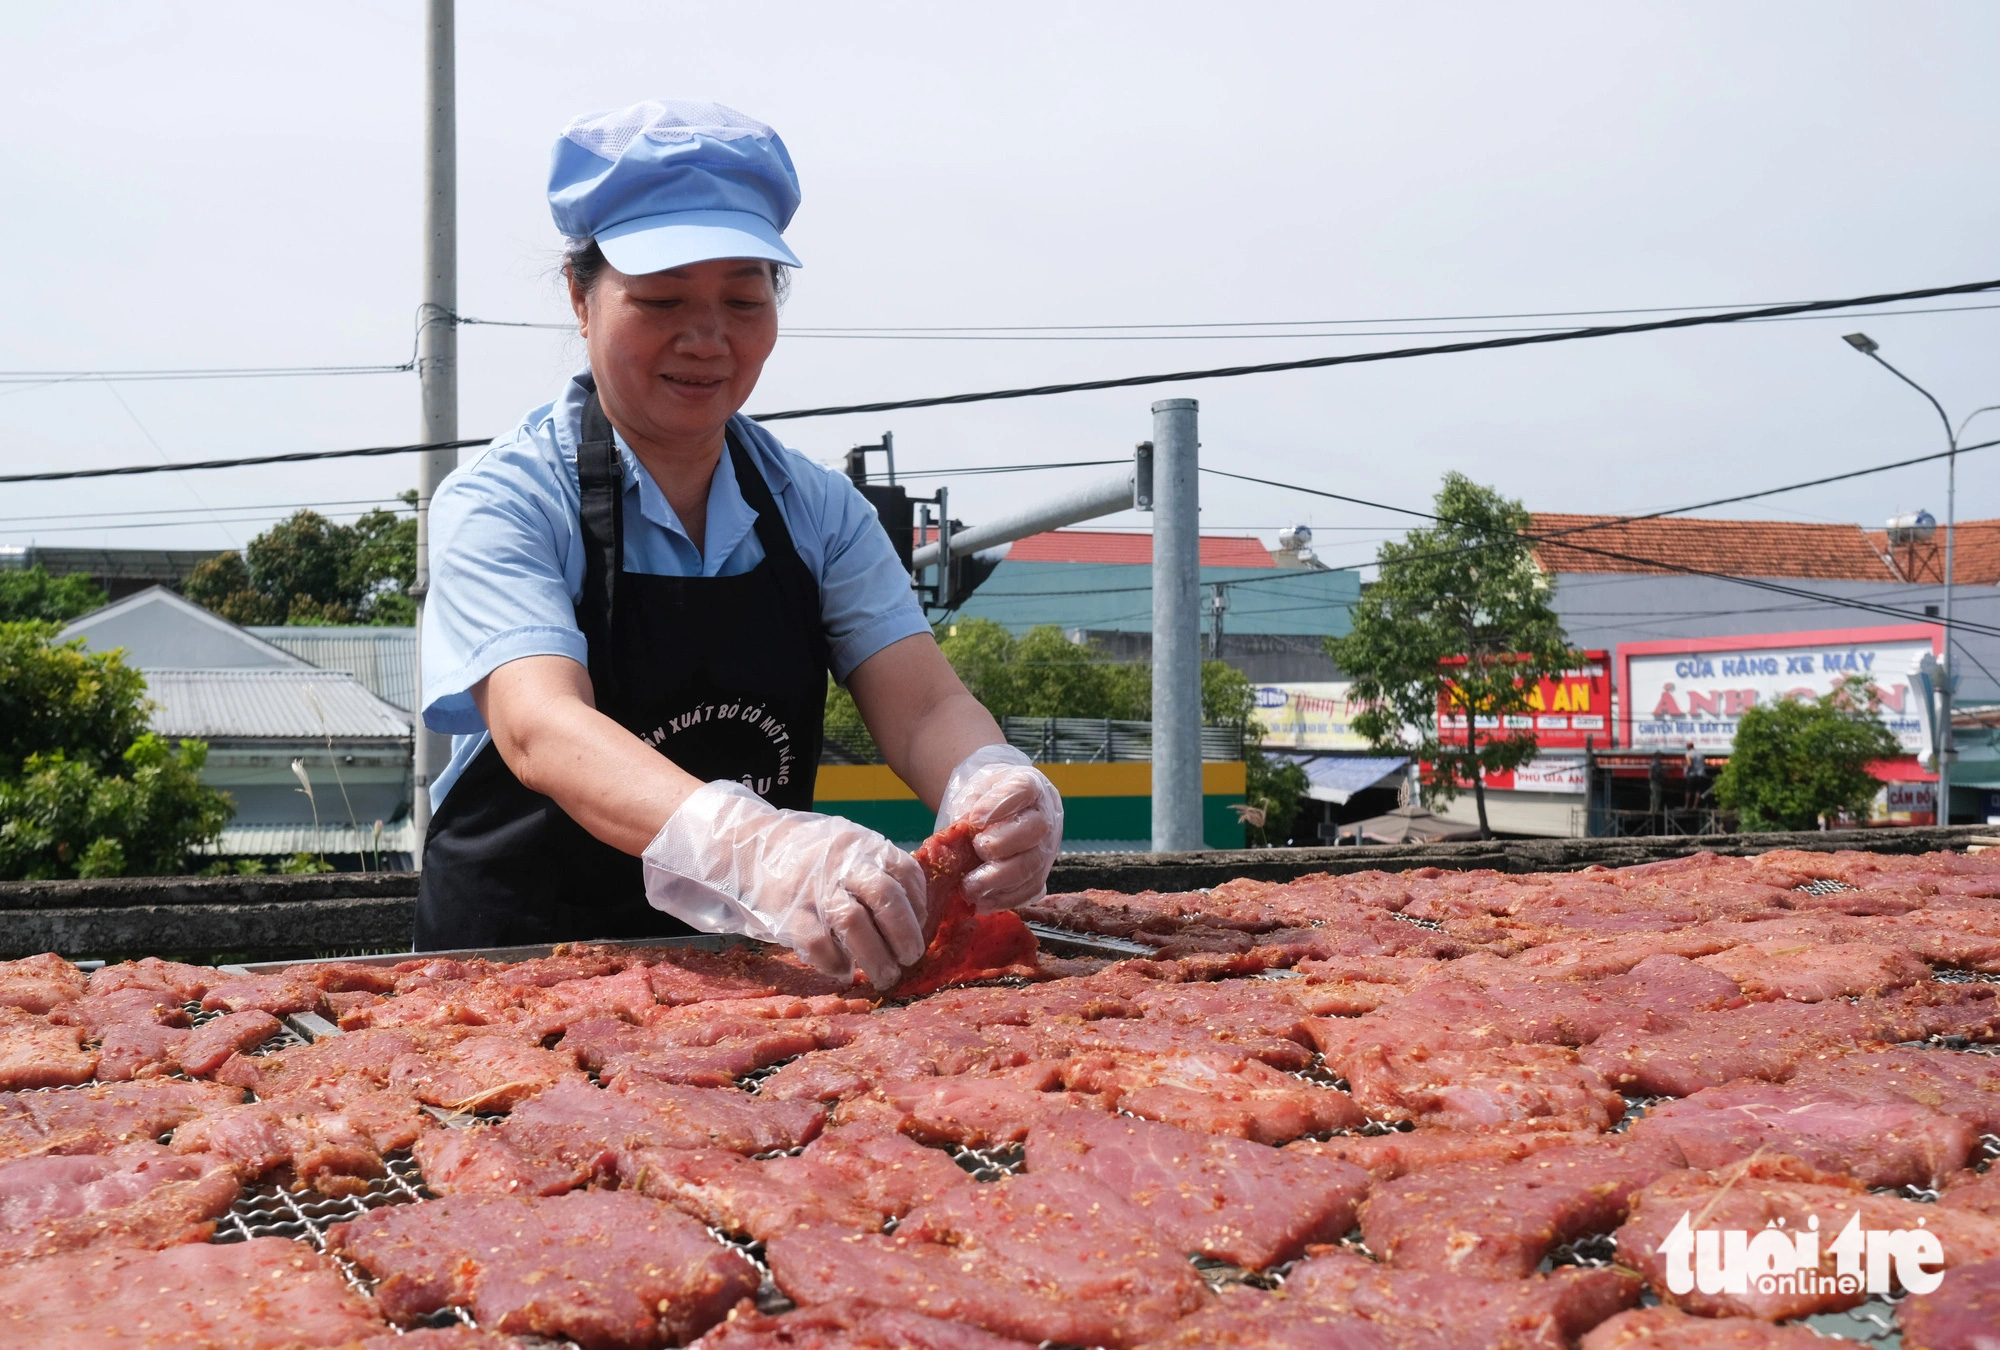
(296, 457)
(1123, 382)
(1396, 354)
(197, 373)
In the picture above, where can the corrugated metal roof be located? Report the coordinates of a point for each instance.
(382, 658)
(1133, 547)
(263, 840)
(269, 704)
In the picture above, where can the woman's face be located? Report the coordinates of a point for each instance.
(677, 353)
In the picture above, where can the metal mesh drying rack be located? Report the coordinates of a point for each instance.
(301, 1215)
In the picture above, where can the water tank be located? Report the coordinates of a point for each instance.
(1297, 539)
(1911, 527)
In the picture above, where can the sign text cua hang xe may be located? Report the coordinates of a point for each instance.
(1681, 691)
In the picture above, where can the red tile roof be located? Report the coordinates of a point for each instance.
(1760, 548)
(1106, 546)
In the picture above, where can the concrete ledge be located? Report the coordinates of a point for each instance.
(124, 892)
(213, 934)
(274, 917)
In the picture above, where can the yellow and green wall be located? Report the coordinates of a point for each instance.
(1100, 801)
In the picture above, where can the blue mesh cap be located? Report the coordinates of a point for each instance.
(670, 182)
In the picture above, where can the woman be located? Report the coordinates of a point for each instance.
(637, 596)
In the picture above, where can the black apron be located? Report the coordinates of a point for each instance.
(725, 676)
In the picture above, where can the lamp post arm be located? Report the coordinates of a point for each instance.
(1991, 407)
(1951, 437)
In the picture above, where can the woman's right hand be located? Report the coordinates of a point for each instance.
(840, 895)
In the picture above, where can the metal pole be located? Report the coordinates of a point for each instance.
(437, 350)
(1947, 747)
(1176, 628)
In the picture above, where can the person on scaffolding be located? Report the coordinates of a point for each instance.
(637, 596)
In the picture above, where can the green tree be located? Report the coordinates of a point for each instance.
(64, 818)
(34, 594)
(85, 789)
(1797, 760)
(309, 570)
(1458, 620)
(57, 696)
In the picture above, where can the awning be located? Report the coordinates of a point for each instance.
(1335, 778)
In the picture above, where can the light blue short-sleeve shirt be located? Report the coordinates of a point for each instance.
(506, 558)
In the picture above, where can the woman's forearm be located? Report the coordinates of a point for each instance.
(543, 719)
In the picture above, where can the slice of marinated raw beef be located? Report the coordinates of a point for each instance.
(856, 1177)
(37, 984)
(896, 1051)
(443, 1005)
(182, 983)
(207, 1046)
(1226, 1198)
(319, 1149)
(142, 1034)
(742, 971)
(1249, 1319)
(1774, 1190)
(1248, 1035)
(131, 1050)
(98, 1119)
(37, 1053)
(602, 1268)
(1497, 1220)
(1962, 1313)
(1812, 972)
(439, 1338)
(976, 1112)
(278, 993)
(1965, 1086)
(265, 1294)
(1878, 1139)
(1541, 1312)
(967, 945)
(848, 1326)
(715, 1055)
(1057, 1258)
(1388, 1156)
(1536, 1087)
(1215, 1093)
(1770, 1041)
(1966, 938)
(1671, 1329)
(477, 1071)
(137, 1195)
(1975, 1191)
(573, 1132)
(99, 1013)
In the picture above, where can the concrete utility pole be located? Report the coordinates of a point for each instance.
(437, 348)
(1176, 628)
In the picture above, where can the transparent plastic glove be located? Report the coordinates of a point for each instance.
(1019, 818)
(839, 895)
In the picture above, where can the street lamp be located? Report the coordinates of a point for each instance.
(1947, 680)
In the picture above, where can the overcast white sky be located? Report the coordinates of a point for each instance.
(232, 184)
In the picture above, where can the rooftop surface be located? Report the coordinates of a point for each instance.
(1761, 548)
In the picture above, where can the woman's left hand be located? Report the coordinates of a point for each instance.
(1017, 816)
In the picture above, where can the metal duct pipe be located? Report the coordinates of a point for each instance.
(1100, 499)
